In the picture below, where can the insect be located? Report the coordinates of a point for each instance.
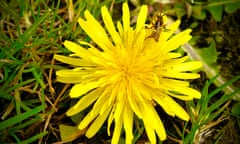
(158, 23)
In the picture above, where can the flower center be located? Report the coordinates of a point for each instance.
(132, 70)
(126, 71)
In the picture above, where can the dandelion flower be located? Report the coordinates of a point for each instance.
(126, 74)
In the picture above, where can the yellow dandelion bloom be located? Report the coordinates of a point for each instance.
(126, 74)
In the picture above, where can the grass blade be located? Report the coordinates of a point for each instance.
(34, 138)
(19, 118)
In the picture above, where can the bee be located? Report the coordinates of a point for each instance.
(158, 24)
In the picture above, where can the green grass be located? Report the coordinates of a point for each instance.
(205, 112)
(31, 33)
(33, 104)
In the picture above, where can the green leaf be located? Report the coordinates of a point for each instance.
(198, 12)
(209, 54)
(194, 25)
(216, 11)
(232, 7)
(20, 117)
(236, 109)
(180, 10)
(69, 133)
(77, 118)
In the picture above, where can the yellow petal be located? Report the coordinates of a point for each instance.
(120, 29)
(138, 46)
(166, 107)
(126, 17)
(187, 91)
(181, 97)
(93, 22)
(137, 94)
(160, 130)
(179, 111)
(187, 66)
(151, 134)
(87, 120)
(84, 102)
(77, 49)
(173, 55)
(178, 40)
(96, 32)
(98, 60)
(178, 75)
(170, 63)
(109, 25)
(114, 93)
(135, 105)
(110, 120)
(96, 125)
(128, 124)
(117, 131)
(118, 111)
(176, 82)
(170, 30)
(141, 18)
(152, 120)
(80, 89)
(128, 42)
(181, 89)
(70, 76)
(101, 102)
(73, 61)
(146, 93)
